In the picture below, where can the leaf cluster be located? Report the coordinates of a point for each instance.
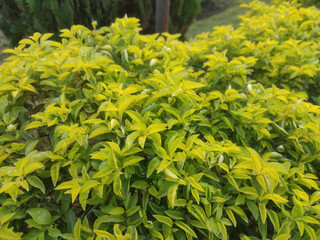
(277, 44)
(114, 135)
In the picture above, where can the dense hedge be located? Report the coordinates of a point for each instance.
(307, 3)
(110, 134)
(282, 41)
(21, 18)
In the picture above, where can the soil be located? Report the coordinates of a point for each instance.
(211, 7)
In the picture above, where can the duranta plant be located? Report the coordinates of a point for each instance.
(304, 3)
(113, 135)
(282, 41)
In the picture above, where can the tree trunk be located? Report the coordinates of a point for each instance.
(162, 16)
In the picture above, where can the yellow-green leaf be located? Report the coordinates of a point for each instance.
(99, 131)
(185, 228)
(105, 234)
(274, 197)
(35, 124)
(172, 193)
(37, 183)
(194, 184)
(132, 160)
(7, 87)
(164, 220)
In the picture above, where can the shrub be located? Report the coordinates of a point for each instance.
(21, 18)
(282, 41)
(109, 134)
(304, 3)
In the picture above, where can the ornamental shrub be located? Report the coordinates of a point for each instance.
(21, 18)
(110, 134)
(282, 41)
(305, 3)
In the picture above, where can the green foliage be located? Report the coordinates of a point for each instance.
(113, 135)
(21, 18)
(304, 3)
(281, 41)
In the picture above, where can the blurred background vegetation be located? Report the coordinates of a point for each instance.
(220, 13)
(21, 18)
